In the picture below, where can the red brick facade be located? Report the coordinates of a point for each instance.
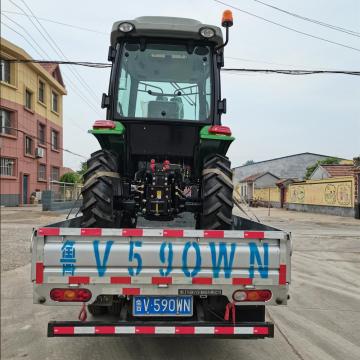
(26, 173)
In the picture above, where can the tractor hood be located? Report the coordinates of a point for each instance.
(165, 27)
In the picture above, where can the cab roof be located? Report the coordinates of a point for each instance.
(165, 27)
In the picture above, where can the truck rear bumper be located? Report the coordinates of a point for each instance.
(258, 330)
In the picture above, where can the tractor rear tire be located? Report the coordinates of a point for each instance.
(216, 195)
(98, 191)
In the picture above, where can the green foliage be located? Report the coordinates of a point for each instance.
(71, 177)
(249, 162)
(328, 161)
(83, 168)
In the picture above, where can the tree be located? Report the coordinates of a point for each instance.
(71, 177)
(328, 161)
(248, 162)
(83, 168)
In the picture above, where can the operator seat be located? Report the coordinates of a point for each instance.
(160, 109)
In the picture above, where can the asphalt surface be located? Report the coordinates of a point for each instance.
(321, 321)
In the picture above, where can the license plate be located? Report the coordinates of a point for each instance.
(162, 305)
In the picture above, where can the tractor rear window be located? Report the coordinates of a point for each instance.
(164, 81)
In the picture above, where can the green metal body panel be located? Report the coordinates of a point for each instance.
(209, 144)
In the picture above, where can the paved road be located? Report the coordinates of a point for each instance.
(322, 320)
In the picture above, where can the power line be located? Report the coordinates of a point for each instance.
(59, 23)
(294, 72)
(59, 53)
(321, 23)
(75, 89)
(69, 80)
(61, 62)
(279, 71)
(30, 44)
(44, 141)
(287, 27)
(82, 81)
(26, 32)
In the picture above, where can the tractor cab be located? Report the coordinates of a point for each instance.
(165, 69)
(163, 146)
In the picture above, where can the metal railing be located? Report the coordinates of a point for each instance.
(63, 191)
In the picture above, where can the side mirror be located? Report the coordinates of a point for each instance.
(222, 106)
(105, 101)
(111, 54)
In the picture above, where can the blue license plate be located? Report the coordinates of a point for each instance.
(162, 305)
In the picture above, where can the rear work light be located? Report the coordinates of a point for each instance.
(65, 295)
(251, 295)
(218, 129)
(104, 124)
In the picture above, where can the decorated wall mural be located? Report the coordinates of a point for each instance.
(336, 192)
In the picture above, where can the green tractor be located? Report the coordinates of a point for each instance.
(163, 148)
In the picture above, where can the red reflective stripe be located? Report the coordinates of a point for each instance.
(104, 329)
(39, 273)
(161, 280)
(49, 231)
(173, 233)
(120, 280)
(79, 279)
(202, 280)
(131, 291)
(214, 233)
(259, 330)
(63, 330)
(144, 329)
(254, 234)
(224, 330)
(241, 281)
(132, 232)
(91, 232)
(184, 330)
(282, 274)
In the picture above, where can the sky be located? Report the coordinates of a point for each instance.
(271, 115)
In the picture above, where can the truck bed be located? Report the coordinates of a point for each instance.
(163, 262)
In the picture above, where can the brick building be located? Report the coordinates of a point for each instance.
(31, 134)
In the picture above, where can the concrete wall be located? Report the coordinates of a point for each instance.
(331, 210)
(48, 203)
(9, 199)
(333, 196)
(264, 195)
(293, 166)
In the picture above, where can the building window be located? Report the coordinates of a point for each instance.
(54, 140)
(55, 173)
(28, 99)
(42, 134)
(7, 166)
(42, 172)
(7, 123)
(54, 101)
(5, 73)
(29, 146)
(41, 92)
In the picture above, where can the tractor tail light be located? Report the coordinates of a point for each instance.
(65, 295)
(218, 129)
(251, 295)
(104, 124)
